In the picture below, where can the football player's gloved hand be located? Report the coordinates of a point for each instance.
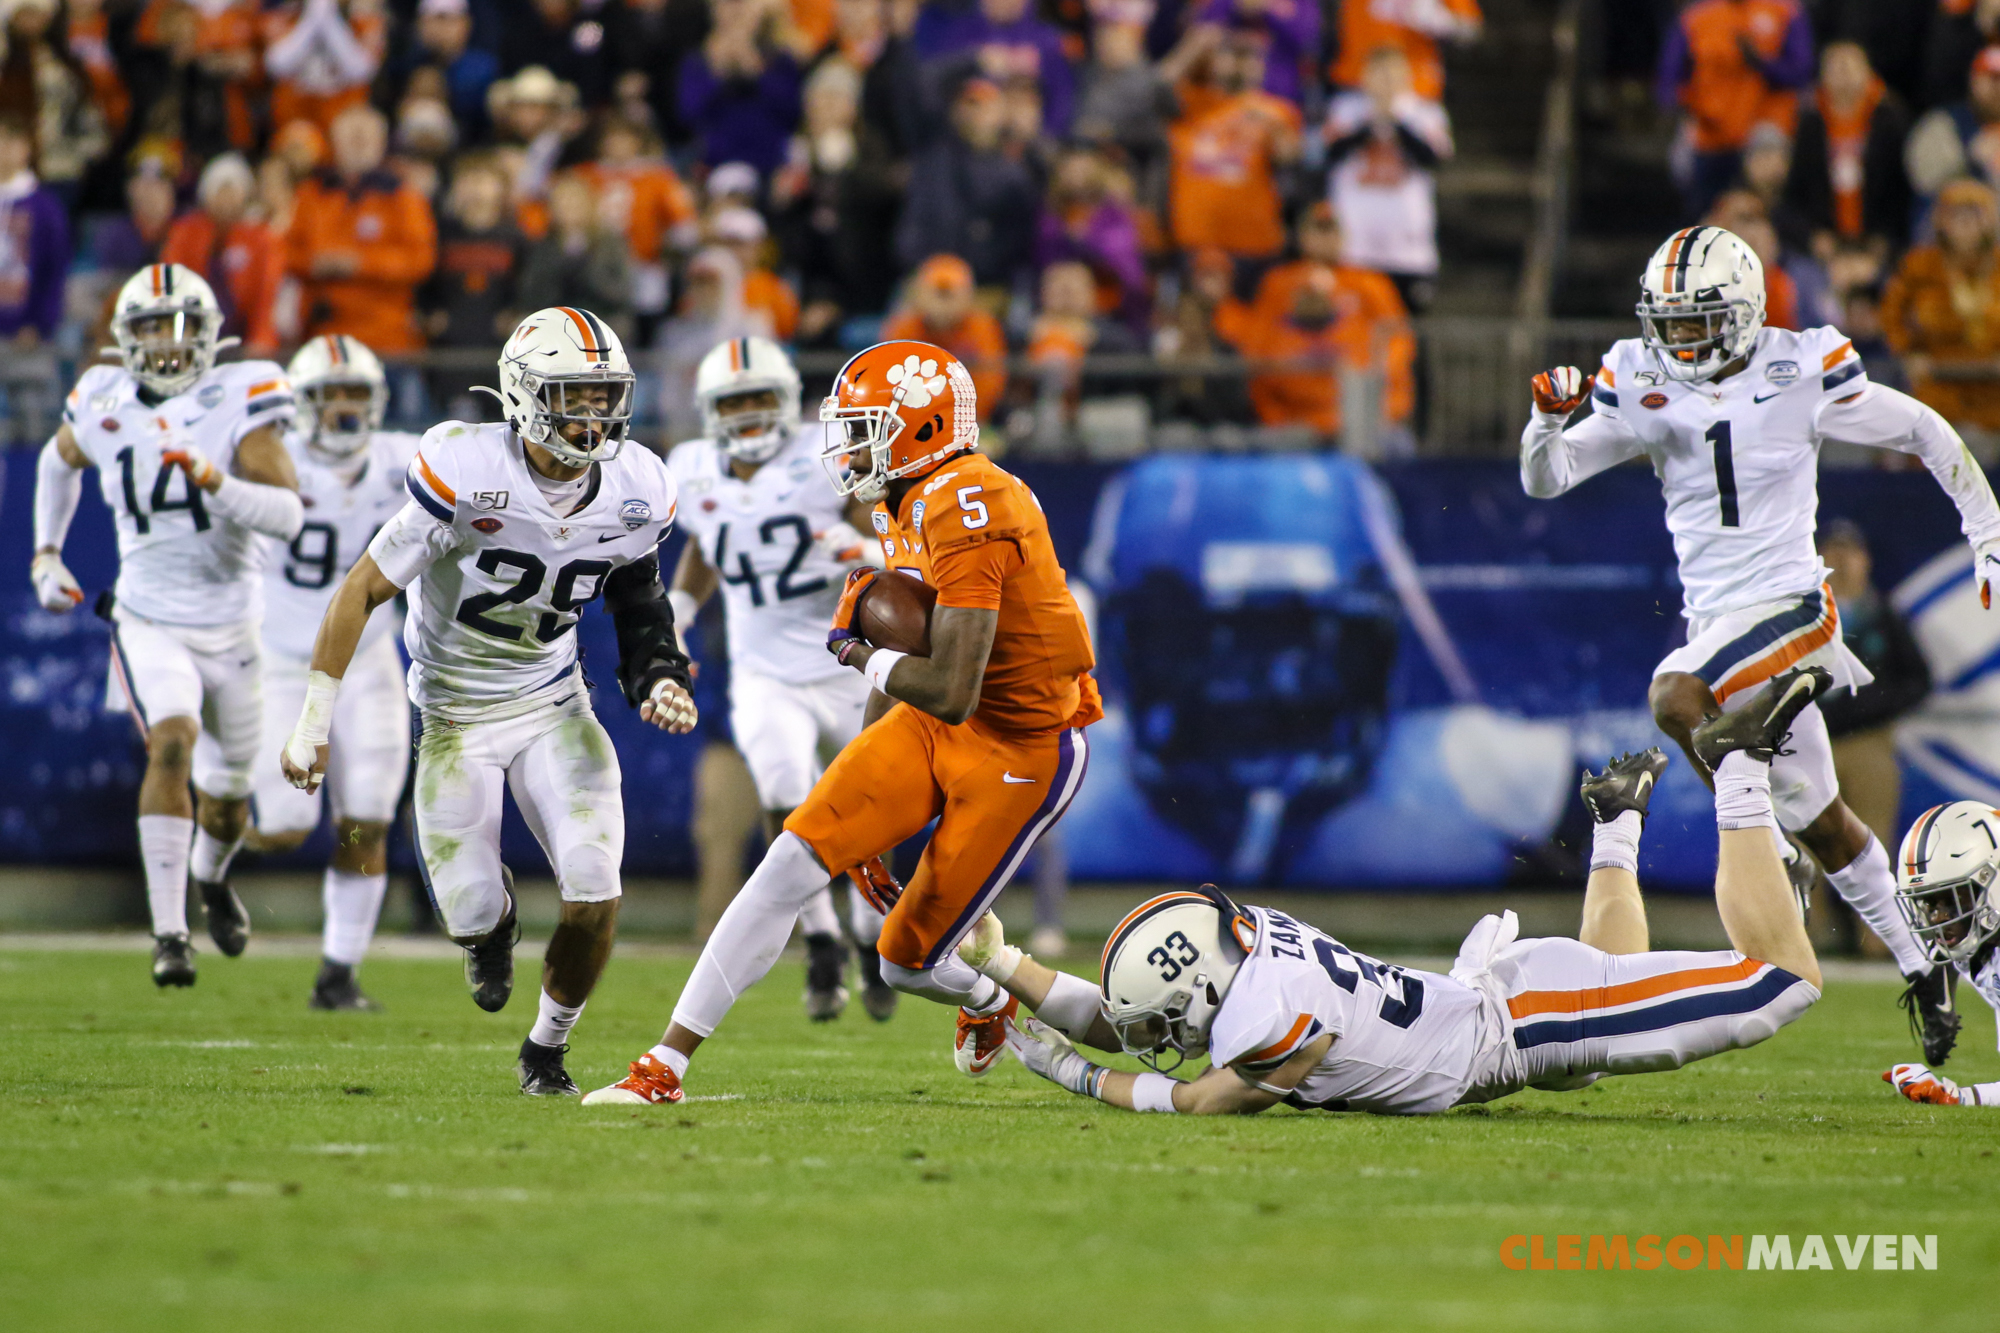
(877, 887)
(55, 587)
(1986, 574)
(841, 543)
(843, 635)
(200, 471)
(1921, 1085)
(1049, 1053)
(1562, 390)
(986, 951)
(670, 708)
(303, 760)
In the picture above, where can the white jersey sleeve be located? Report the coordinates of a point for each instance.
(1883, 418)
(1555, 459)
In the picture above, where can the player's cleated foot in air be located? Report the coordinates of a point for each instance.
(542, 1072)
(826, 961)
(878, 997)
(649, 1084)
(1761, 727)
(173, 961)
(489, 964)
(1625, 784)
(228, 919)
(980, 1043)
(1934, 1017)
(1921, 1085)
(336, 987)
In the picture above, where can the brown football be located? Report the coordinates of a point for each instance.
(894, 612)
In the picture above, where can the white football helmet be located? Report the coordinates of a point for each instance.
(565, 367)
(1945, 880)
(1708, 275)
(338, 428)
(1166, 969)
(746, 366)
(168, 328)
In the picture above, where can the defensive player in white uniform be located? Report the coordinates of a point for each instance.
(1732, 414)
(764, 523)
(510, 531)
(1948, 885)
(351, 481)
(1286, 1013)
(191, 462)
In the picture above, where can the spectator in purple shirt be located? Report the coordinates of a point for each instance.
(1083, 220)
(740, 93)
(1005, 40)
(34, 242)
(1293, 27)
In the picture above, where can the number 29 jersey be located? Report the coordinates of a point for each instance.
(342, 516)
(779, 587)
(1404, 1042)
(499, 578)
(178, 563)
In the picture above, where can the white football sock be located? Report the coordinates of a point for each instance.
(212, 855)
(751, 934)
(1743, 793)
(352, 903)
(671, 1058)
(163, 846)
(1616, 842)
(819, 918)
(862, 919)
(1868, 883)
(554, 1022)
(952, 981)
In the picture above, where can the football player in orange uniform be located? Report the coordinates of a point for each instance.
(985, 735)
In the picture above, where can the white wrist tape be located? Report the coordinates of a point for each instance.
(880, 665)
(315, 718)
(685, 609)
(1154, 1092)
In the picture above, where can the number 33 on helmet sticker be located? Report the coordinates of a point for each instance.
(972, 506)
(1171, 965)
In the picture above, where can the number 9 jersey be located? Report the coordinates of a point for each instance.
(499, 576)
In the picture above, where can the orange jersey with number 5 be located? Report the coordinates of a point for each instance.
(974, 532)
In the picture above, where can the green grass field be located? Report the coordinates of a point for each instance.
(224, 1159)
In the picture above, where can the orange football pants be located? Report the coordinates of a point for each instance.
(992, 794)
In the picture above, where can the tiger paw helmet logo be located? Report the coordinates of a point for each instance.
(916, 382)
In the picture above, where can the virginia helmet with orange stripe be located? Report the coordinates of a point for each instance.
(168, 328)
(1945, 880)
(1167, 968)
(1701, 302)
(566, 385)
(345, 391)
(748, 392)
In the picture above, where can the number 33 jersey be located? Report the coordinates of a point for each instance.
(779, 584)
(343, 512)
(499, 577)
(178, 563)
(1404, 1042)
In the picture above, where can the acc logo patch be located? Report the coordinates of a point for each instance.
(881, 522)
(917, 516)
(488, 525)
(635, 514)
(1782, 372)
(1656, 401)
(210, 395)
(109, 423)
(489, 499)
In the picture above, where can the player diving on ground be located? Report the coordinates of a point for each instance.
(1732, 415)
(1286, 1013)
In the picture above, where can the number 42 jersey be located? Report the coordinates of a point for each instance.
(499, 577)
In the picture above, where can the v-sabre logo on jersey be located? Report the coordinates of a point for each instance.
(1648, 1253)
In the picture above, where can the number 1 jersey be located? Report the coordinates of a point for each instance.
(499, 577)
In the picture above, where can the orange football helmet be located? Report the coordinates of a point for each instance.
(899, 409)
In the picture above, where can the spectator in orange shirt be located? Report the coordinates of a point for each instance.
(239, 256)
(639, 195)
(939, 309)
(89, 41)
(1224, 190)
(206, 61)
(1942, 309)
(743, 233)
(362, 240)
(1330, 322)
(1414, 27)
(1847, 163)
(323, 54)
(1731, 65)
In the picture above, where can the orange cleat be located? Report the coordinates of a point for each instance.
(649, 1084)
(981, 1042)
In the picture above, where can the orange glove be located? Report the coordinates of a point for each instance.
(873, 881)
(1562, 390)
(1921, 1085)
(842, 637)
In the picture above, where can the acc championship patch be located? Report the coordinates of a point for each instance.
(917, 516)
(1782, 372)
(210, 395)
(1656, 401)
(488, 525)
(635, 514)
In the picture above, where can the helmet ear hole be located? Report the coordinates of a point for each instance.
(1213, 998)
(928, 429)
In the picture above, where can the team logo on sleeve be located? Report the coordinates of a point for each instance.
(210, 395)
(635, 514)
(1782, 372)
